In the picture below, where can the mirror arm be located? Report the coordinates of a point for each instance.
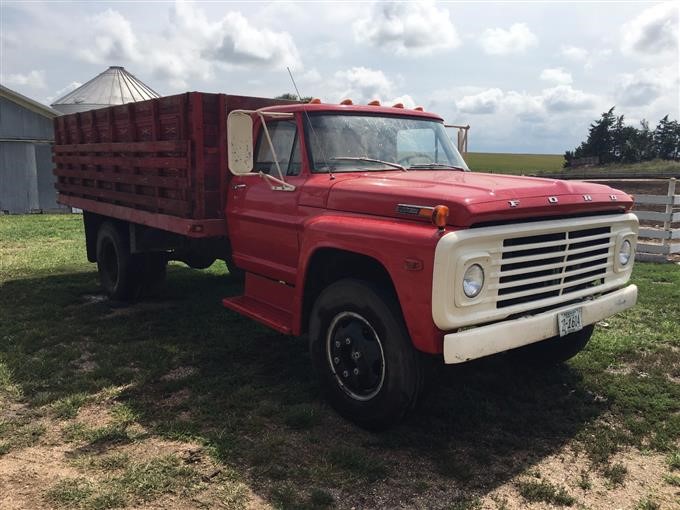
(282, 185)
(271, 145)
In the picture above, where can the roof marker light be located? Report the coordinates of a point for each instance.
(398, 105)
(316, 100)
(418, 108)
(375, 102)
(346, 101)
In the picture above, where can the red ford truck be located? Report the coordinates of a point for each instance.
(359, 226)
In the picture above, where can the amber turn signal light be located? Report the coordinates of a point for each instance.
(439, 216)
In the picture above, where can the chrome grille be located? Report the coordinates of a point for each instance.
(544, 266)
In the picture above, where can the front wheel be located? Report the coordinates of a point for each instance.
(363, 355)
(553, 350)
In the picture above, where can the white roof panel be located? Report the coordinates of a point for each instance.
(113, 86)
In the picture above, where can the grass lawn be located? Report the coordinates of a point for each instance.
(175, 402)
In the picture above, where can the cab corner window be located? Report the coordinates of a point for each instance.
(286, 145)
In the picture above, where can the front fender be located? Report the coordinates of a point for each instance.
(391, 242)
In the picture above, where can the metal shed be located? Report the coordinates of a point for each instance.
(113, 86)
(26, 135)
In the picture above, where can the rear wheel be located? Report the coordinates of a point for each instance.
(363, 355)
(119, 270)
(554, 350)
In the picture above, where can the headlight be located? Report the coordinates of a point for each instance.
(625, 252)
(473, 280)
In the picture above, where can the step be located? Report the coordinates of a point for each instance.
(268, 315)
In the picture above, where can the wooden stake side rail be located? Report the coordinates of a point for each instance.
(137, 174)
(163, 158)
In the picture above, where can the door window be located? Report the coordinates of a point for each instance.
(286, 145)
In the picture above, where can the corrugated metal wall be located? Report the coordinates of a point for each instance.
(26, 179)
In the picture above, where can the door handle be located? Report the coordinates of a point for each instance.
(239, 186)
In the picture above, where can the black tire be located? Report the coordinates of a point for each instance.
(153, 269)
(235, 273)
(555, 350)
(119, 271)
(379, 395)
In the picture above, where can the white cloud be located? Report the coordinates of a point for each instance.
(363, 84)
(565, 98)
(486, 101)
(557, 75)
(241, 43)
(653, 31)
(575, 53)
(646, 86)
(558, 99)
(110, 39)
(517, 39)
(62, 92)
(413, 28)
(191, 46)
(587, 57)
(34, 79)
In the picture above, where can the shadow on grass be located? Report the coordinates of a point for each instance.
(253, 403)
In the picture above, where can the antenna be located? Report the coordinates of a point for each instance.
(309, 122)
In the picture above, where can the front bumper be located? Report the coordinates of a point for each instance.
(510, 334)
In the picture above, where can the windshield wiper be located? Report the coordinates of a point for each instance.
(370, 160)
(438, 165)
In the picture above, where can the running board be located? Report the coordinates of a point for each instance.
(266, 301)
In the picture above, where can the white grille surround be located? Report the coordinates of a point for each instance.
(529, 267)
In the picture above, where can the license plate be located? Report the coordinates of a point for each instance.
(569, 321)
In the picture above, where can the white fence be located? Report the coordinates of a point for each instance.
(658, 239)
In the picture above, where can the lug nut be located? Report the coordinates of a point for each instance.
(348, 340)
(337, 344)
(345, 373)
(356, 371)
(336, 360)
(356, 355)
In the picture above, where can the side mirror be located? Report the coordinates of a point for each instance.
(240, 142)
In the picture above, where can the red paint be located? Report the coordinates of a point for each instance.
(163, 163)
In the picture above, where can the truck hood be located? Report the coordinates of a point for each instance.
(472, 198)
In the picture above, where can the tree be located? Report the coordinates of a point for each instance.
(667, 139)
(610, 140)
(293, 97)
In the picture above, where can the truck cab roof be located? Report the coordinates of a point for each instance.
(353, 108)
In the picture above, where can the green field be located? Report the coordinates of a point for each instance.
(537, 164)
(514, 163)
(175, 402)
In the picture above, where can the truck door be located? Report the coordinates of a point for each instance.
(264, 223)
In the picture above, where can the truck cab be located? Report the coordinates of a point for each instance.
(362, 228)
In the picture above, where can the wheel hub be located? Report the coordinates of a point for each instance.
(355, 355)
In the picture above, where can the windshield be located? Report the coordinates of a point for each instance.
(344, 142)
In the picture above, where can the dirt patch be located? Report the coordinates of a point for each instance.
(589, 486)
(175, 399)
(179, 373)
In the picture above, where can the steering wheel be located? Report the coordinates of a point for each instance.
(405, 160)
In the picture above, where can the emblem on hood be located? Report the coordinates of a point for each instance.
(513, 203)
(553, 200)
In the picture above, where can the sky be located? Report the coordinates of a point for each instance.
(528, 77)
